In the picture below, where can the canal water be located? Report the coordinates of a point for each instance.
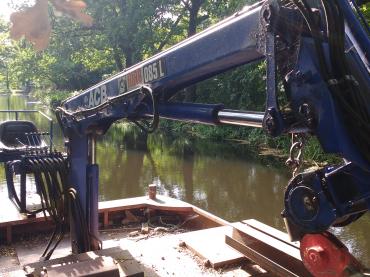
(225, 179)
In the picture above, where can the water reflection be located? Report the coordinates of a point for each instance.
(225, 179)
(230, 186)
(221, 178)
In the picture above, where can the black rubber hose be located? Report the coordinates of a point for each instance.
(347, 95)
(316, 36)
(350, 100)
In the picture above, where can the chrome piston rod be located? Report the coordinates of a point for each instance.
(241, 118)
(212, 114)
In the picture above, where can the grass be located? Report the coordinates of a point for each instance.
(256, 138)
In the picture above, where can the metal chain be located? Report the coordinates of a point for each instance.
(296, 153)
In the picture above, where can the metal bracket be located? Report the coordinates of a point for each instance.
(272, 121)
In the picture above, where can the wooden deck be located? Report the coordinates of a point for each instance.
(11, 218)
(159, 255)
(258, 248)
(209, 245)
(114, 262)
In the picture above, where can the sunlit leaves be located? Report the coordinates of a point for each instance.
(92, 59)
(124, 32)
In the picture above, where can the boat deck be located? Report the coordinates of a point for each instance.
(199, 244)
(158, 254)
(11, 220)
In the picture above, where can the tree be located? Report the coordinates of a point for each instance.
(201, 14)
(123, 33)
(130, 28)
(5, 55)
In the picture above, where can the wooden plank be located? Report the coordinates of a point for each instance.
(210, 216)
(13, 273)
(127, 265)
(105, 219)
(209, 244)
(160, 203)
(264, 262)
(10, 213)
(25, 220)
(270, 231)
(11, 216)
(267, 239)
(281, 253)
(206, 220)
(102, 267)
(9, 234)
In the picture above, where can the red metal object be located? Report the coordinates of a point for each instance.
(324, 255)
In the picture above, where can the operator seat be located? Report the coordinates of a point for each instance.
(13, 135)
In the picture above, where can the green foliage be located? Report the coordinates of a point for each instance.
(242, 88)
(126, 32)
(365, 10)
(6, 54)
(51, 97)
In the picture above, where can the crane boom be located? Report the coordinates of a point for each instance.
(316, 49)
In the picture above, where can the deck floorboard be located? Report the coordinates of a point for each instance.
(158, 255)
(209, 244)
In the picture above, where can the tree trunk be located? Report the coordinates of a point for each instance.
(117, 59)
(129, 56)
(192, 28)
(7, 78)
(191, 91)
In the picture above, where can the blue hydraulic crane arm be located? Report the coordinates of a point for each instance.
(230, 43)
(237, 40)
(324, 67)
